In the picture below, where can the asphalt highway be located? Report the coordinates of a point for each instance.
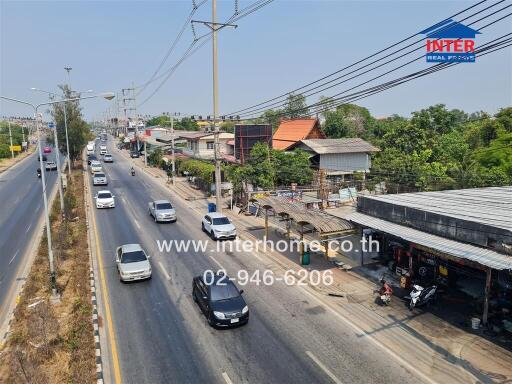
(162, 337)
(22, 208)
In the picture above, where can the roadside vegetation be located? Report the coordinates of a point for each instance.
(17, 138)
(436, 148)
(53, 343)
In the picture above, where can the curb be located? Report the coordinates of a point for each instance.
(92, 281)
(96, 328)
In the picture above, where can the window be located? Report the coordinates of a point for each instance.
(209, 144)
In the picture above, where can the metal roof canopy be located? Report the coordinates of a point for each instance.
(321, 222)
(481, 256)
(489, 206)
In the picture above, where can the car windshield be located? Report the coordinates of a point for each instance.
(99, 175)
(133, 257)
(95, 163)
(104, 195)
(220, 221)
(164, 206)
(223, 290)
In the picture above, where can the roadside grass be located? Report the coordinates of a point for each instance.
(7, 162)
(54, 343)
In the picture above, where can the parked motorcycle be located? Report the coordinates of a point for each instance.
(421, 296)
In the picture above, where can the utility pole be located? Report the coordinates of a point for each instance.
(214, 26)
(173, 159)
(10, 138)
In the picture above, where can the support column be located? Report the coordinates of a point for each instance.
(266, 224)
(487, 293)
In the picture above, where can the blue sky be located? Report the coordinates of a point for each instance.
(111, 44)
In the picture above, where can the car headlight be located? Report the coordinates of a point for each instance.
(245, 310)
(219, 315)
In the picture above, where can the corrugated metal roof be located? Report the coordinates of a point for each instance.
(322, 222)
(344, 145)
(490, 206)
(482, 256)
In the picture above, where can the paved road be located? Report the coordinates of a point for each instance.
(163, 338)
(22, 207)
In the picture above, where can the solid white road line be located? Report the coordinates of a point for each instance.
(28, 228)
(323, 367)
(164, 271)
(226, 378)
(216, 262)
(16, 254)
(136, 223)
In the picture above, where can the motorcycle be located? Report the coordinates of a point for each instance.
(421, 296)
(133, 172)
(385, 299)
(39, 173)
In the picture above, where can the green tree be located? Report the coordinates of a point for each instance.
(295, 106)
(293, 167)
(78, 130)
(437, 120)
(349, 120)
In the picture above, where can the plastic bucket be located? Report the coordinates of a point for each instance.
(475, 322)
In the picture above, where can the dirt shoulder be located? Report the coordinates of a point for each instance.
(54, 343)
(7, 163)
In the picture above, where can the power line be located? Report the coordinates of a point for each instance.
(195, 7)
(329, 100)
(207, 36)
(357, 62)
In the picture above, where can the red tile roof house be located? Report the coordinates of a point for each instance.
(290, 132)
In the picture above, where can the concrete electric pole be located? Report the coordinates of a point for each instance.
(214, 26)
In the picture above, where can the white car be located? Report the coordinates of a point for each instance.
(107, 158)
(96, 167)
(105, 199)
(218, 226)
(99, 178)
(50, 166)
(132, 263)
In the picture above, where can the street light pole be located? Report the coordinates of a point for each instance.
(67, 138)
(59, 174)
(10, 138)
(108, 96)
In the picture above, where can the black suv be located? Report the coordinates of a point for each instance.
(134, 154)
(220, 300)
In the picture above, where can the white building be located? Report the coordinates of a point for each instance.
(200, 145)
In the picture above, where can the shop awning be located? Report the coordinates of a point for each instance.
(482, 256)
(322, 222)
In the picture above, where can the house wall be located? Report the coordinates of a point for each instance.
(199, 148)
(349, 162)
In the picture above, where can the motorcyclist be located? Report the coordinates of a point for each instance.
(132, 170)
(385, 288)
(38, 172)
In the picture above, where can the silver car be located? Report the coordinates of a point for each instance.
(99, 178)
(162, 210)
(132, 263)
